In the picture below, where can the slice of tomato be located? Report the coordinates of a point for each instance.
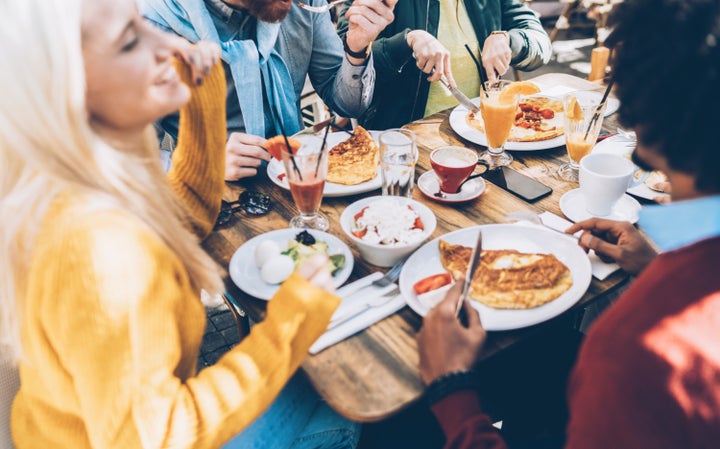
(360, 233)
(418, 224)
(281, 176)
(432, 283)
(360, 214)
(276, 145)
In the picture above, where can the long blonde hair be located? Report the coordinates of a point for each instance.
(47, 147)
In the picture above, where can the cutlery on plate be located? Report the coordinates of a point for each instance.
(390, 277)
(320, 9)
(472, 266)
(532, 217)
(357, 309)
(459, 96)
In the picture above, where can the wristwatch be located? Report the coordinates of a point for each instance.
(362, 54)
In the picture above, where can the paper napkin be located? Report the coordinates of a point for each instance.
(600, 269)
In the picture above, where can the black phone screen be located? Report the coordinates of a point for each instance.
(514, 182)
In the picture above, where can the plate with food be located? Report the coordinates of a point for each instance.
(262, 263)
(653, 183)
(539, 124)
(526, 274)
(352, 164)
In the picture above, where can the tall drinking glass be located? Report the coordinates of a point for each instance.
(581, 130)
(498, 112)
(306, 173)
(398, 155)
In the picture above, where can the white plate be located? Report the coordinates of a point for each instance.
(429, 185)
(622, 146)
(426, 261)
(246, 275)
(460, 125)
(572, 204)
(275, 168)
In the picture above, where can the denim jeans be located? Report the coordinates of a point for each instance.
(298, 419)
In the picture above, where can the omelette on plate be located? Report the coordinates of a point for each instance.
(509, 279)
(355, 160)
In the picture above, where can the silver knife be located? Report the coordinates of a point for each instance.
(461, 97)
(472, 266)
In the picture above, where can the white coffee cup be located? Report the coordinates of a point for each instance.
(604, 178)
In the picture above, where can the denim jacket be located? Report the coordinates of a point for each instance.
(310, 47)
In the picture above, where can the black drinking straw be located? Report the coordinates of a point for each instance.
(322, 146)
(287, 144)
(598, 108)
(479, 68)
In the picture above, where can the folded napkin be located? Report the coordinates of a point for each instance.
(353, 296)
(600, 269)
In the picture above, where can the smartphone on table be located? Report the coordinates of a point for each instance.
(518, 184)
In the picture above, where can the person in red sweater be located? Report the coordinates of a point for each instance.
(648, 372)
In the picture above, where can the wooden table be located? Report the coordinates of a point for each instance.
(374, 374)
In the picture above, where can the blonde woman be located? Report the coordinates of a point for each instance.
(101, 267)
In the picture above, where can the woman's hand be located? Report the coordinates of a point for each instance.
(430, 55)
(446, 345)
(496, 55)
(315, 271)
(201, 57)
(243, 155)
(618, 241)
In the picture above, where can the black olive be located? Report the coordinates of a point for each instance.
(305, 238)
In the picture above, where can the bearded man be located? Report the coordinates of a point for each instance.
(269, 48)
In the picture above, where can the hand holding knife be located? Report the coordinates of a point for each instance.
(472, 266)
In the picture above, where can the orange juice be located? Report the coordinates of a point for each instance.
(578, 147)
(499, 118)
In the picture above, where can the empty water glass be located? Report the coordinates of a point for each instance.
(398, 155)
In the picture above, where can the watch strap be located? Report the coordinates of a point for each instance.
(363, 54)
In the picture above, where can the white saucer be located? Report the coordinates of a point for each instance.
(572, 204)
(429, 185)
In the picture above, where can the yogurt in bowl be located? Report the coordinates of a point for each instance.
(386, 229)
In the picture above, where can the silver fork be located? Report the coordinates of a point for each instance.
(319, 9)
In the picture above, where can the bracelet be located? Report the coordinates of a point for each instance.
(363, 54)
(504, 33)
(449, 383)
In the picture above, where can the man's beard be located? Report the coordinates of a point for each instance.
(269, 11)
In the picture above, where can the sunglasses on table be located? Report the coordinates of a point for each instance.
(250, 202)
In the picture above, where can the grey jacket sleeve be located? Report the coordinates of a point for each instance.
(529, 42)
(345, 88)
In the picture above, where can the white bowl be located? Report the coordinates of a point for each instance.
(387, 255)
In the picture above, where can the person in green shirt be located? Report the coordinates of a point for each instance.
(427, 40)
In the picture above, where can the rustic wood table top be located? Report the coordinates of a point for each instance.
(374, 374)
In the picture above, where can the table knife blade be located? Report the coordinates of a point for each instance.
(472, 266)
(459, 96)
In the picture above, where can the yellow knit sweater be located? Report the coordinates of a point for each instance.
(112, 326)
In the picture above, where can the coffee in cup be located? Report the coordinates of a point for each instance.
(604, 178)
(453, 165)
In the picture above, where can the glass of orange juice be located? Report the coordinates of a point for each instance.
(498, 106)
(306, 173)
(581, 130)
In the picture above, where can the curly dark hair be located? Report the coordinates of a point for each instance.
(667, 72)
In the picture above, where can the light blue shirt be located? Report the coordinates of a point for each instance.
(681, 223)
(309, 46)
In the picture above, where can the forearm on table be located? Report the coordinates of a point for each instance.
(198, 162)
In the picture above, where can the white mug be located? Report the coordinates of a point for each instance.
(604, 178)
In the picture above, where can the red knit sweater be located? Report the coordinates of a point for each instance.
(648, 375)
